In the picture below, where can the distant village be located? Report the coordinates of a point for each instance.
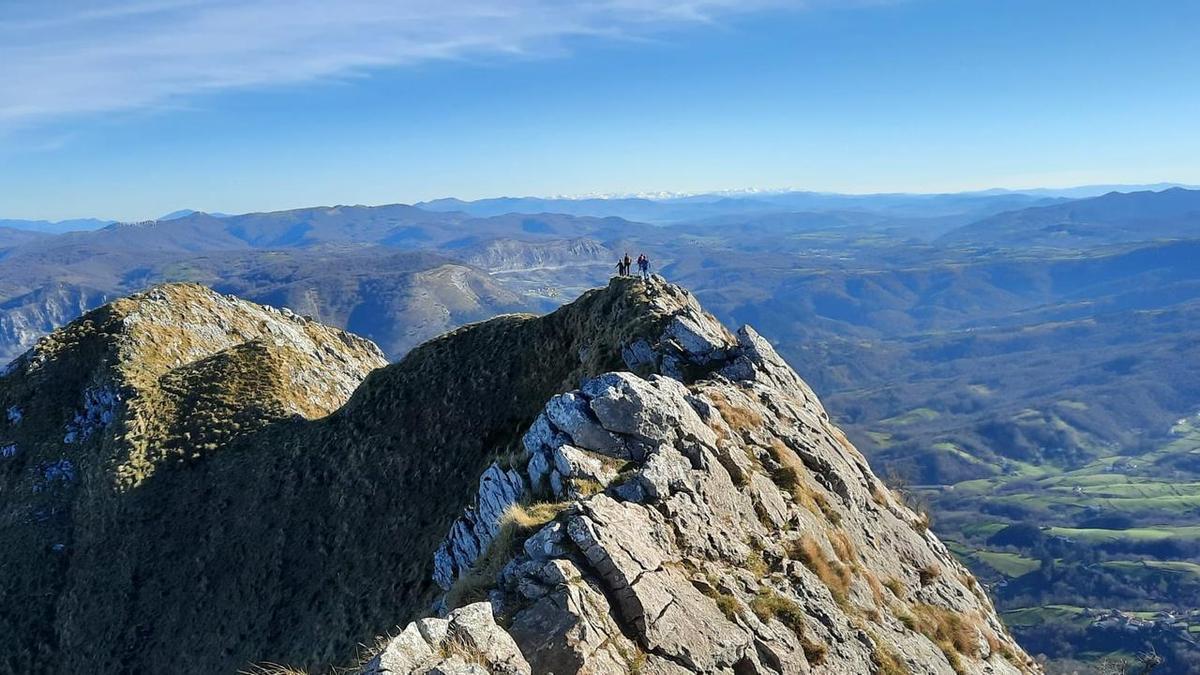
(1137, 622)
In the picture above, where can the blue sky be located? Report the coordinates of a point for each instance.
(132, 108)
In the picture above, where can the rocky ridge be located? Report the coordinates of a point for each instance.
(697, 512)
(643, 490)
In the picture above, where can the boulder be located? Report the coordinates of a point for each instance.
(468, 641)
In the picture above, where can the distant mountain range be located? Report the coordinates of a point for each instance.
(1111, 218)
(680, 207)
(55, 227)
(174, 215)
(372, 269)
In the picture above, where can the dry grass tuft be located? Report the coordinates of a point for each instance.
(901, 486)
(875, 586)
(877, 494)
(928, 573)
(637, 662)
(456, 646)
(737, 417)
(756, 565)
(518, 522)
(586, 487)
(814, 651)
(832, 573)
(896, 587)
(515, 457)
(843, 548)
(790, 477)
(768, 604)
(272, 669)
(955, 634)
(887, 662)
(728, 604)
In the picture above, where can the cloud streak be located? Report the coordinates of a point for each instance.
(76, 57)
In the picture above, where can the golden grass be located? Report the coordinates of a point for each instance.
(877, 494)
(928, 573)
(737, 417)
(887, 662)
(456, 646)
(814, 651)
(954, 633)
(768, 604)
(896, 587)
(517, 522)
(756, 565)
(268, 668)
(790, 477)
(637, 663)
(586, 487)
(843, 548)
(832, 573)
(876, 588)
(728, 604)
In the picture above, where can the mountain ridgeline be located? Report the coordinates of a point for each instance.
(193, 483)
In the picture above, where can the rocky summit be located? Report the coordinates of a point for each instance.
(190, 483)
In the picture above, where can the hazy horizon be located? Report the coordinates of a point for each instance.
(1089, 189)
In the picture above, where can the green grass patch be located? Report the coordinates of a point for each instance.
(1028, 617)
(1008, 564)
(913, 417)
(1141, 534)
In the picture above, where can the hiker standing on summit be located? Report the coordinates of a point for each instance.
(624, 265)
(644, 266)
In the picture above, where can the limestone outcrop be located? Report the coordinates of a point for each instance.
(467, 642)
(703, 515)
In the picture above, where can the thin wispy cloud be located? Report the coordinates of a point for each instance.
(73, 57)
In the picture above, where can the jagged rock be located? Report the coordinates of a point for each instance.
(663, 472)
(474, 530)
(639, 356)
(651, 412)
(571, 630)
(749, 535)
(701, 340)
(468, 641)
(757, 360)
(547, 543)
(570, 414)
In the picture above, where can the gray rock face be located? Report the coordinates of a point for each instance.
(472, 532)
(466, 642)
(719, 523)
